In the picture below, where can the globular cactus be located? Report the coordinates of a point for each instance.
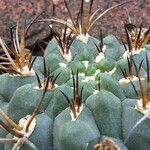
(84, 93)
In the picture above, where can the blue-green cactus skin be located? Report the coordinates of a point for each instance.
(4, 106)
(114, 50)
(67, 133)
(105, 104)
(10, 83)
(111, 85)
(58, 103)
(41, 136)
(24, 101)
(107, 109)
(140, 138)
(106, 65)
(124, 65)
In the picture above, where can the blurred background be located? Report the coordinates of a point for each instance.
(12, 11)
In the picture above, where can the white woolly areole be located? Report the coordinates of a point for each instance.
(81, 74)
(83, 38)
(125, 81)
(63, 65)
(100, 55)
(104, 48)
(112, 71)
(77, 113)
(23, 123)
(97, 72)
(25, 71)
(96, 92)
(87, 1)
(99, 58)
(66, 56)
(48, 88)
(86, 64)
(134, 52)
(89, 78)
(139, 107)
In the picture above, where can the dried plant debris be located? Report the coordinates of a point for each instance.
(106, 144)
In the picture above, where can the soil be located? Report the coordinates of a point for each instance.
(12, 11)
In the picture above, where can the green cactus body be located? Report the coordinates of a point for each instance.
(3, 104)
(52, 60)
(57, 102)
(78, 46)
(89, 88)
(124, 65)
(64, 73)
(3, 133)
(41, 136)
(78, 65)
(88, 83)
(96, 77)
(139, 138)
(128, 90)
(37, 63)
(141, 56)
(105, 65)
(24, 101)
(114, 49)
(76, 134)
(12, 83)
(85, 54)
(52, 56)
(91, 69)
(52, 47)
(111, 85)
(106, 109)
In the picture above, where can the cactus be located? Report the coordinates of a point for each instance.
(84, 93)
